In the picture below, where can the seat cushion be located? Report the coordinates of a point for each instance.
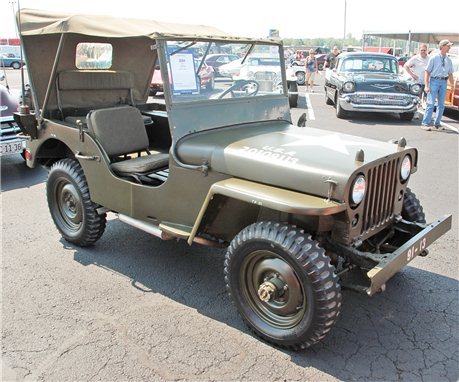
(141, 165)
(120, 130)
(73, 120)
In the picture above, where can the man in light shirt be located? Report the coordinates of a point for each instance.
(438, 71)
(417, 64)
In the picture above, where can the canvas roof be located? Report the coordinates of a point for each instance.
(40, 22)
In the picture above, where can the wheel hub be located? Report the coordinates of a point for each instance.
(271, 289)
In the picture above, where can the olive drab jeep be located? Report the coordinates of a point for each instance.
(296, 208)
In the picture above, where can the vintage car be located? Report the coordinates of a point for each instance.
(370, 82)
(266, 69)
(10, 142)
(296, 208)
(11, 61)
(452, 93)
(206, 78)
(216, 60)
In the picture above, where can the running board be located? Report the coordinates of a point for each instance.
(144, 226)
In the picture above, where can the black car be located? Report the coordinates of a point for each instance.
(370, 82)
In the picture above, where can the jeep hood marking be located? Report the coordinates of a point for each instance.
(333, 142)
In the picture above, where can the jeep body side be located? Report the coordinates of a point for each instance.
(296, 208)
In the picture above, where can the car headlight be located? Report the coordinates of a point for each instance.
(405, 169)
(415, 88)
(348, 87)
(358, 189)
(250, 75)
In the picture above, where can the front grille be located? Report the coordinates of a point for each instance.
(381, 99)
(380, 197)
(265, 76)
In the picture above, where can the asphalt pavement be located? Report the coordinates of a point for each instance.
(135, 308)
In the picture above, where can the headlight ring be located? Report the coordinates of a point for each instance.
(348, 87)
(358, 190)
(405, 168)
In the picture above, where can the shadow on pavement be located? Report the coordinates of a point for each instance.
(15, 173)
(405, 333)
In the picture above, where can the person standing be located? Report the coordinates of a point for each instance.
(416, 65)
(438, 71)
(416, 68)
(311, 69)
(330, 60)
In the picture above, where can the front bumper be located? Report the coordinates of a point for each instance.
(390, 263)
(379, 102)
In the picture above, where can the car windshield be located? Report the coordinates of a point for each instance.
(370, 64)
(257, 73)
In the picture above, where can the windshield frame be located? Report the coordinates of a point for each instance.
(162, 44)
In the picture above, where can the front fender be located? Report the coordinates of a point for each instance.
(267, 196)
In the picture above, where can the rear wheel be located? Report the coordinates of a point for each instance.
(16, 65)
(300, 77)
(70, 205)
(293, 98)
(282, 284)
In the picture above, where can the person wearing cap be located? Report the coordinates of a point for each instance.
(438, 71)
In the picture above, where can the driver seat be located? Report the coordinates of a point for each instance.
(121, 131)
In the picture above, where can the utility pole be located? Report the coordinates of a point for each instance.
(345, 10)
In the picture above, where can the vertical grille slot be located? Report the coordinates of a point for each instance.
(379, 201)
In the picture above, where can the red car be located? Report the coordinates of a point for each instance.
(206, 78)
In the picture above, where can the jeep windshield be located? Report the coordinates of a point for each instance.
(258, 72)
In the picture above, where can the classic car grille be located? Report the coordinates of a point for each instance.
(379, 202)
(381, 99)
(265, 76)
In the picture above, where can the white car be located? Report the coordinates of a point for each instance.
(230, 69)
(266, 71)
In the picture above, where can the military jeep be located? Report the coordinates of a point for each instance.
(297, 208)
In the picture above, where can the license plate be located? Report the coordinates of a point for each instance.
(11, 148)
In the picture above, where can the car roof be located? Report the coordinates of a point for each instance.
(365, 54)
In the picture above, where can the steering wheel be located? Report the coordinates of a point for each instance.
(250, 87)
(385, 70)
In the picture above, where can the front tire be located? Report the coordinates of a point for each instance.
(406, 116)
(282, 284)
(340, 112)
(70, 204)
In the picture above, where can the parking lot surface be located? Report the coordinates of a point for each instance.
(135, 308)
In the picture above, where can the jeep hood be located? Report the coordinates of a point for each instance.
(280, 154)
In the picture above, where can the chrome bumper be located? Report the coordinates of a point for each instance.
(379, 102)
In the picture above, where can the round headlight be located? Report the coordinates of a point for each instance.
(416, 89)
(405, 169)
(358, 189)
(348, 87)
(250, 75)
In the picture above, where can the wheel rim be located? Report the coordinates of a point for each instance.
(272, 289)
(300, 77)
(69, 206)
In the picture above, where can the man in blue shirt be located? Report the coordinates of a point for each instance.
(439, 69)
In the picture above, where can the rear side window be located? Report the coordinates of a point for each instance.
(92, 55)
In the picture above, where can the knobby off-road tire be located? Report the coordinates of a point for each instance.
(70, 205)
(306, 300)
(412, 209)
(413, 212)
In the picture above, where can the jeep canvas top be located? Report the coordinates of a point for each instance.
(297, 209)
